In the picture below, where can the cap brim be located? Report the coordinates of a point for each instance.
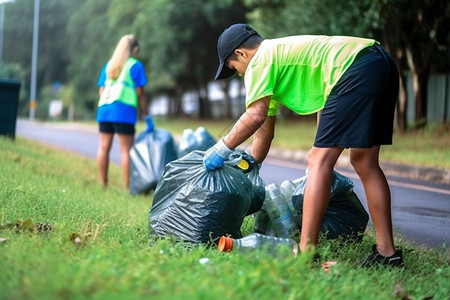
(224, 72)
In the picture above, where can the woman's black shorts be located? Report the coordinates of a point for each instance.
(119, 128)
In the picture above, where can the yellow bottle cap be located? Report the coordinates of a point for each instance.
(243, 164)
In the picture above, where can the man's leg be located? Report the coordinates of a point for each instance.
(103, 156)
(126, 143)
(366, 164)
(321, 163)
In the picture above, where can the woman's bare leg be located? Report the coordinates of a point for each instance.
(104, 147)
(126, 143)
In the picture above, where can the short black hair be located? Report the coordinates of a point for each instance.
(251, 43)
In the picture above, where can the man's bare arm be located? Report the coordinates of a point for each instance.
(248, 123)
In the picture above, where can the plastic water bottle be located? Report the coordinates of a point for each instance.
(287, 188)
(280, 214)
(257, 241)
(262, 223)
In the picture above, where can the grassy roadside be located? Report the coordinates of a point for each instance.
(429, 147)
(96, 246)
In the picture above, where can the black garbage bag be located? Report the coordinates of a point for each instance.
(151, 152)
(196, 205)
(345, 216)
(191, 140)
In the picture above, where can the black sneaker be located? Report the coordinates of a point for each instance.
(316, 258)
(376, 259)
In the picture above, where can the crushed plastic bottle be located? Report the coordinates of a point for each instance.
(288, 188)
(257, 241)
(278, 210)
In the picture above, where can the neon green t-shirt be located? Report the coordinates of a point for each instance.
(300, 71)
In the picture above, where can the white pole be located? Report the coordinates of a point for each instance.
(34, 60)
(2, 22)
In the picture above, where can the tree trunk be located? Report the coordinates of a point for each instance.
(175, 106)
(419, 64)
(420, 94)
(402, 105)
(419, 73)
(204, 105)
(225, 87)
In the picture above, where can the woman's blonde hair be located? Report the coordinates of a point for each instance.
(121, 54)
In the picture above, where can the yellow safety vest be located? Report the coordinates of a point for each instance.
(121, 89)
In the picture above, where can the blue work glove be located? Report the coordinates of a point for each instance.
(216, 155)
(150, 125)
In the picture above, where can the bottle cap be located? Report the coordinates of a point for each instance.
(243, 165)
(225, 244)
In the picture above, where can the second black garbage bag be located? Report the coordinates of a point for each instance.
(151, 152)
(345, 216)
(199, 206)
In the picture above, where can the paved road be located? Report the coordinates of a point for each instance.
(421, 210)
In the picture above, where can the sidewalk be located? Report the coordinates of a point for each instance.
(440, 176)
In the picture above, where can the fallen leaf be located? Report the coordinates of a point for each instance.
(28, 225)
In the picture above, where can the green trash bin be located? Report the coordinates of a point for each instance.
(9, 101)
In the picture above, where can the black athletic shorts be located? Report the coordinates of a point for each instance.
(359, 112)
(119, 128)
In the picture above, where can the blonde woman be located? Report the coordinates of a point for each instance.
(121, 84)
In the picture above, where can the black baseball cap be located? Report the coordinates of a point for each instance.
(228, 41)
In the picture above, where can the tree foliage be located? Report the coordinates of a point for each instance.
(181, 37)
(416, 32)
(178, 40)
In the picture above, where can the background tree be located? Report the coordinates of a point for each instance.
(92, 41)
(415, 32)
(52, 47)
(178, 42)
(181, 37)
(418, 33)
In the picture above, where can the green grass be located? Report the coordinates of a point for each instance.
(98, 247)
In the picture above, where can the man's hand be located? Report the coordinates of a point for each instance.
(216, 155)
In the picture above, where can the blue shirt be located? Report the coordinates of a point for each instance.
(118, 112)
